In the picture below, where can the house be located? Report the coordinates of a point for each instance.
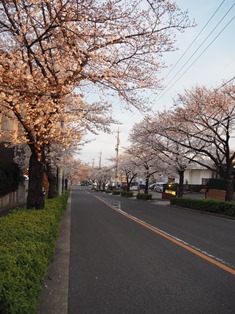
(196, 174)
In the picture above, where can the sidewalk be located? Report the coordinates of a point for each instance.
(54, 297)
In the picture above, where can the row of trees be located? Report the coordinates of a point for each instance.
(54, 52)
(198, 129)
(132, 165)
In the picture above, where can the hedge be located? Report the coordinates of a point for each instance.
(116, 192)
(144, 196)
(10, 177)
(126, 193)
(27, 246)
(219, 184)
(206, 205)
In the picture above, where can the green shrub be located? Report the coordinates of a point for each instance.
(207, 205)
(108, 191)
(116, 192)
(219, 184)
(126, 193)
(27, 245)
(10, 177)
(144, 196)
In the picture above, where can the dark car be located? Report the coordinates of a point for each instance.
(124, 186)
(142, 186)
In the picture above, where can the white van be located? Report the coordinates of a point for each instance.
(159, 186)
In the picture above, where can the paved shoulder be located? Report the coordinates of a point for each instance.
(54, 298)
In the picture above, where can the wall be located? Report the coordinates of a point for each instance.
(15, 198)
(196, 176)
(9, 129)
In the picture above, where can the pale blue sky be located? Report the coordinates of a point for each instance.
(209, 63)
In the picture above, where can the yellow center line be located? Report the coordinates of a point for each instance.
(172, 239)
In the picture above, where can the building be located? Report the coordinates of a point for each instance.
(197, 175)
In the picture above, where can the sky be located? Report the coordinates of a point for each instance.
(205, 56)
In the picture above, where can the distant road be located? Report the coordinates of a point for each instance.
(133, 256)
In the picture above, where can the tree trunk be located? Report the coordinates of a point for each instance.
(36, 193)
(128, 184)
(66, 184)
(229, 188)
(181, 183)
(52, 180)
(146, 185)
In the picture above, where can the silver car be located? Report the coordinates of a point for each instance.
(159, 186)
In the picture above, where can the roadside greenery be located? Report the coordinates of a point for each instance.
(10, 177)
(144, 196)
(116, 192)
(206, 205)
(27, 245)
(126, 193)
(219, 184)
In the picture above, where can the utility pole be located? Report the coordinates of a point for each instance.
(100, 161)
(116, 149)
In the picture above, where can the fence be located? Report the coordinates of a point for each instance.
(15, 198)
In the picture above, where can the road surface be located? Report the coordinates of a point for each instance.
(133, 256)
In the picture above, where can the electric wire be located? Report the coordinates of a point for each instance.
(197, 51)
(133, 118)
(194, 39)
(224, 84)
(198, 57)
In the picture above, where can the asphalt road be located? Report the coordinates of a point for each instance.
(181, 261)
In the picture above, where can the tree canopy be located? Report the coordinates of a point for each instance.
(51, 50)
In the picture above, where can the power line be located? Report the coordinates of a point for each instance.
(197, 51)
(195, 39)
(218, 8)
(224, 84)
(206, 48)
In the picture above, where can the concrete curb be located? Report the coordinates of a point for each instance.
(54, 297)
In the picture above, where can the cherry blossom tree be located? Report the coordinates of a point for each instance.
(77, 119)
(78, 171)
(169, 153)
(127, 169)
(49, 48)
(204, 118)
(144, 161)
(161, 135)
(102, 177)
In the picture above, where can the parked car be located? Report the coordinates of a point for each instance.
(137, 187)
(142, 186)
(159, 186)
(134, 188)
(124, 186)
(152, 186)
